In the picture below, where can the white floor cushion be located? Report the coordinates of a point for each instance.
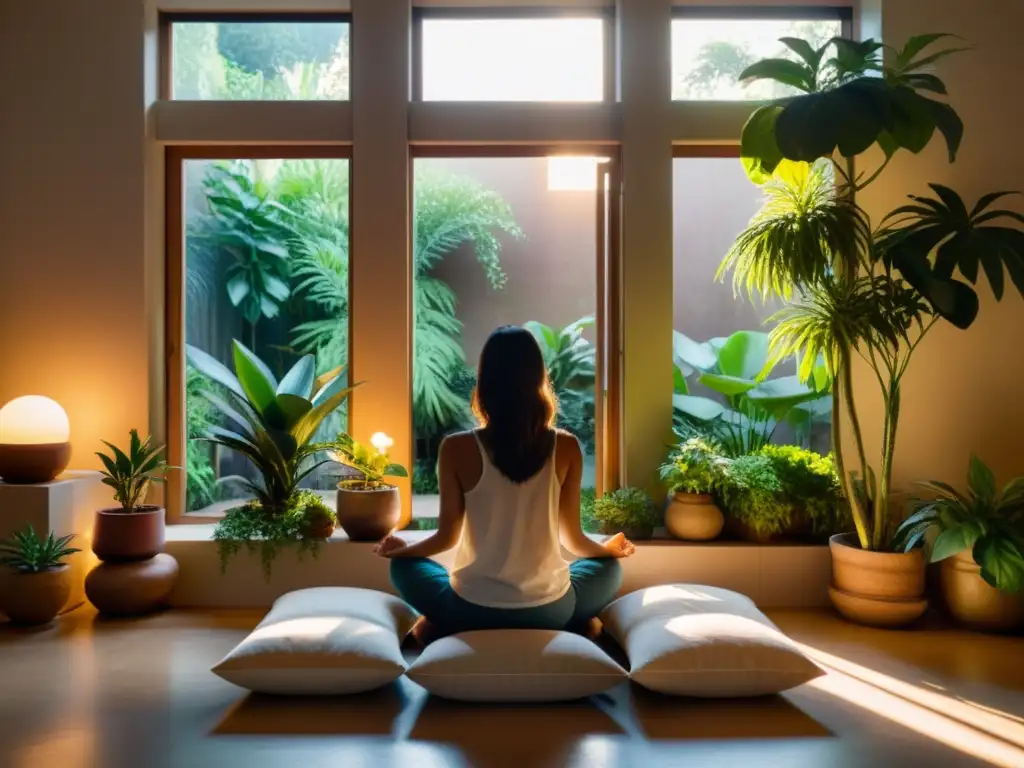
(691, 640)
(515, 665)
(326, 640)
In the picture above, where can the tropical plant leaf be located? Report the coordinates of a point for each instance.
(1002, 562)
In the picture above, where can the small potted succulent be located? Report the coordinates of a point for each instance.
(753, 498)
(978, 538)
(135, 530)
(692, 474)
(630, 511)
(368, 508)
(40, 585)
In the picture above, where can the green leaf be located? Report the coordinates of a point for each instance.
(679, 385)
(693, 353)
(784, 71)
(759, 149)
(294, 407)
(700, 408)
(238, 289)
(924, 82)
(213, 369)
(276, 287)
(744, 354)
(918, 43)
(949, 124)
(730, 386)
(257, 381)
(395, 470)
(981, 480)
(951, 541)
(1001, 561)
(805, 51)
(299, 380)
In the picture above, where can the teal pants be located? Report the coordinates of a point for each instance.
(425, 585)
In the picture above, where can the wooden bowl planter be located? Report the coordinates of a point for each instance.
(368, 512)
(880, 589)
(974, 602)
(36, 598)
(693, 517)
(125, 537)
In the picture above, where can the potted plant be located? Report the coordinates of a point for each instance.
(135, 530)
(276, 423)
(979, 540)
(858, 290)
(810, 486)
(40, 585)
(368, 508)
(627, 510)
(751, 494)
(692, 474)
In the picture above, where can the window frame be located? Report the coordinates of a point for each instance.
(844, 14)
(516, 13)
(167, 19)
(175, 157)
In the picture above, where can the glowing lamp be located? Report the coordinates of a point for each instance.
(381, 442)
(34, 445)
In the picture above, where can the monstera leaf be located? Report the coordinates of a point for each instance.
(934, 239)
(846, 107)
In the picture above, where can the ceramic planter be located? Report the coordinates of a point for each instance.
(880, 589)
(693, 517)
(973, 602)
(368, 514)
(123, 537)
(36, 598)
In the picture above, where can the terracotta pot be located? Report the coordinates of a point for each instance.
(36, 598)
(883, 589)
(124, 537)
(973, 602)
(368, 515)
(128, 589)
(693, 517)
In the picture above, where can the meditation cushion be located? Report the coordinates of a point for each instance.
(325, 640)
(690, 640)
(515, 665)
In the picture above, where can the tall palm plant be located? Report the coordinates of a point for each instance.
(855, 291)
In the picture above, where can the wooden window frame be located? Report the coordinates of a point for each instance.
(514, 13)
(167, 19)
(608, 412)
(175, 158)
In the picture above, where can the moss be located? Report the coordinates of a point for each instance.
(811, 485)
(752, 494)
(626, 508)
(268, 531)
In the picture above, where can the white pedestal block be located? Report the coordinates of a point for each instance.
(65, 506)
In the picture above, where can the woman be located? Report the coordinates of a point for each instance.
(510, 497)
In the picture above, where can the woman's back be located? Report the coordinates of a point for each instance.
(509, 554)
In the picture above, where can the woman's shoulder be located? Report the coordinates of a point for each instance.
(567, 444)
(459, 441)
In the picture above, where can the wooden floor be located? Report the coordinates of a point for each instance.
(138, 694)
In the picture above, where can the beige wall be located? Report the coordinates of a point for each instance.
(962, 392)
(72, 277)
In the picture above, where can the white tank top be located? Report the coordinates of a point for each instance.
(509, 555)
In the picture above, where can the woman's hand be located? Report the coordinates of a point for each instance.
(619, 546)
(387, 546)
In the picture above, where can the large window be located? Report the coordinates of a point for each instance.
(712, 46)
(248, 58)
(265, 246)
(721, 336)
(501, 56)
(497, 241)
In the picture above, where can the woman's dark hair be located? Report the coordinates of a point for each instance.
(514, 403)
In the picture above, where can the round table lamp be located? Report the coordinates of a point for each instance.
(34, 445)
